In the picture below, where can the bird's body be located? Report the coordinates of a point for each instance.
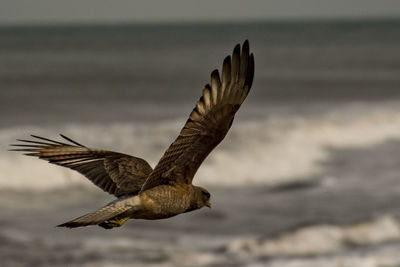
(160, 202)
(166, 190)
(165, 201)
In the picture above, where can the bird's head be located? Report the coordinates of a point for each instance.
(202, 197)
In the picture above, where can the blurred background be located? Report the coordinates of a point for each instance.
(307, 176)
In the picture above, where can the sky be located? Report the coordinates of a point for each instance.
(92, 11)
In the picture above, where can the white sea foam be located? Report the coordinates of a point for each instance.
(386, 256)
(279, 149)
(321, 239)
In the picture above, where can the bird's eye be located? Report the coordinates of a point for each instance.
(206, 194)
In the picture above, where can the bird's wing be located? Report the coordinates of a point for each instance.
(115, 173)
(209, 121)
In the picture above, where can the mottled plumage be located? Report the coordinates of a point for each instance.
(166, 191)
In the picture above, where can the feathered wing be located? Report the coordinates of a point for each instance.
(209, 121)
(115, 173)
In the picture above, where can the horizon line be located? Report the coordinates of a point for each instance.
(333, 19)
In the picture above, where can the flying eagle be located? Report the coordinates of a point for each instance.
(166, 190)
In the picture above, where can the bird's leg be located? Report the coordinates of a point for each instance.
(109, 224)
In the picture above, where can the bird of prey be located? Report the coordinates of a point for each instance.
(166, 190)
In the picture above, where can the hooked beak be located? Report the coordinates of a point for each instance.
(208, 204)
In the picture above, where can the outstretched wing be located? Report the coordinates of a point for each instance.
(209, 121)
(115, 173)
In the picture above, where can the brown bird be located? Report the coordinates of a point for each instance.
(166, 191)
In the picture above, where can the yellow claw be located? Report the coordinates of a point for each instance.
(109, 224)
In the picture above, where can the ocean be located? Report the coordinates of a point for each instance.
(307, 176)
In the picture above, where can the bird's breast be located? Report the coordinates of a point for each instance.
(164, 201)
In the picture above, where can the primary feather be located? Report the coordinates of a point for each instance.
(115, 173)
(209, 121)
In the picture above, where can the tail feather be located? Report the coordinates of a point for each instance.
(98, 216)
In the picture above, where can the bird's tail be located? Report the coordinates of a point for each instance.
(99, 216)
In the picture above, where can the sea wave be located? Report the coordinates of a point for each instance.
(279, 149)
(321, 239)
(370, 244)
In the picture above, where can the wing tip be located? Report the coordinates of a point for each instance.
(48, 142)
(70, 140)
(52, 142)
(246, 45)
(214, 74)
(250, 78)
(227, 60)
(236, 49)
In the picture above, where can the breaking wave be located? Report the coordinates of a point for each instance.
(321, 239)
(279, 149)
(374, 243)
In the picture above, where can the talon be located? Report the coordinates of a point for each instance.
(109, 224)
